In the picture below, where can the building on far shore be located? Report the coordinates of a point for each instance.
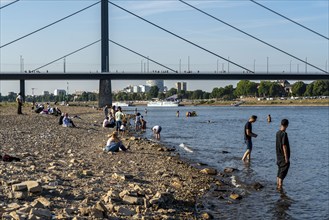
(158, 83)
(46, 93)
(286, 85)
(59, 92)
(181, 86)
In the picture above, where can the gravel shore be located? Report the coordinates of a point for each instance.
(64, 173)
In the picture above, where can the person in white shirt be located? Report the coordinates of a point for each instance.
(19, 101)
(118, 118)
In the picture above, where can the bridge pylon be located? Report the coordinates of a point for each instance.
(105, 88)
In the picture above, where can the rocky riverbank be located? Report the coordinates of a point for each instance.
(63, 173)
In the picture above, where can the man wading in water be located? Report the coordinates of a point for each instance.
(282, 153)
(247, 137)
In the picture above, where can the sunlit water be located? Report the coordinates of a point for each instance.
(307, 185)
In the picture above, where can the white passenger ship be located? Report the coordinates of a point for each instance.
(163, 104)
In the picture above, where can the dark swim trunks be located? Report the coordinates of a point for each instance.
(283, 171)
(249, 144)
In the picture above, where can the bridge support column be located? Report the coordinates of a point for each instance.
(105, 88)
(22, 88)
(105, 93)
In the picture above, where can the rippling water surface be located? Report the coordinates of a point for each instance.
(307, 185)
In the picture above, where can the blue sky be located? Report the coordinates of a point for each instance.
(47, 45)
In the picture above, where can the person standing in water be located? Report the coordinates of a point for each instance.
(248, 134)
(269, 119)
(156, 131)
(282, 153)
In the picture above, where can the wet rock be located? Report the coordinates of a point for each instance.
(225, 152)
(206, 215)
(202, 164)
(257, 186)
(209, 171)
(230, 170)
(235, 196)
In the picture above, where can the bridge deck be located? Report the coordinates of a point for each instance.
(164, 76)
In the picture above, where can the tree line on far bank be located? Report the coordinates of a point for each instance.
(244, 88)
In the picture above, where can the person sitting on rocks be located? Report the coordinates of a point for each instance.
(114, 143)
(106, 123)
(67, 122)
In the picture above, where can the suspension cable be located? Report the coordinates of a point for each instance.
(8, 4)
(268, 44)
(20, 38)
(142, 56)
(67, 55)
(190, 42)
(285, 17)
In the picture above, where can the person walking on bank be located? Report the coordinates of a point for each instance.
(248, 134)
(282, 153)
(19, 101)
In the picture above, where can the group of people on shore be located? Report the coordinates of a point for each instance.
(282, 147)
(115, 118)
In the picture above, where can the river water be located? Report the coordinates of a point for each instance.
(218, 129)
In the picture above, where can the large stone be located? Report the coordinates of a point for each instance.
(96, 214)
(18, 195)
(12, 207)
(19, 187)
(124, 211)
(44, 201)
(100, 206)
(87, 172)
(118, 176)
(33, 186)
(209, 171)
(37, 204)
(17, 216)
(41, 213)
(132, 200)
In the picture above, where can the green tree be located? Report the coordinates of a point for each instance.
(171, 92)
(197, 94)
(242, 88)
(276, 90)
(161, 95)
(309, 90)
(321, 87)
(264, 88)
(153, 93)
(298, 88)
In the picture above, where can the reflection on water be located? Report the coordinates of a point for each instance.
(282, 206)
(307, 178)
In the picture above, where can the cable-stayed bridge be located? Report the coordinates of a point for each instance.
(106, 76)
